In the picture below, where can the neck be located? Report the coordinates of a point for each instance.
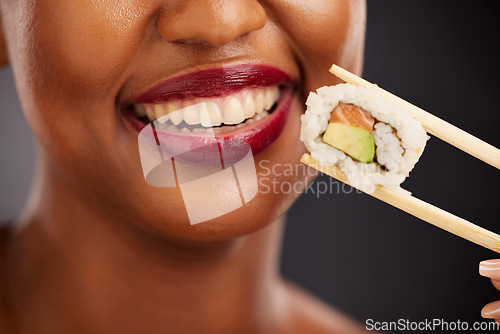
(75, 267)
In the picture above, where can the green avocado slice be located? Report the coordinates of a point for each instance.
(353, 141)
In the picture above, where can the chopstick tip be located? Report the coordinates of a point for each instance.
(306, 158)
(334, 69)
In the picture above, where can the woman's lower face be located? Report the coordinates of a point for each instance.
(87, 71)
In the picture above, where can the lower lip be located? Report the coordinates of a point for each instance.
(229, 147)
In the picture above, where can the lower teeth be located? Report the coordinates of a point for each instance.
(198, 129)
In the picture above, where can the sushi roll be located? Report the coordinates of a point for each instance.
(372, 141)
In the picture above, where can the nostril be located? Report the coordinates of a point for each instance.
(210, 22)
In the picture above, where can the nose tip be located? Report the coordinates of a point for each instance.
(215, 23)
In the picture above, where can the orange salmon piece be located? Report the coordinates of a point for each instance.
(352, 115)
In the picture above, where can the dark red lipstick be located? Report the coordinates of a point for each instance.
(217, 82)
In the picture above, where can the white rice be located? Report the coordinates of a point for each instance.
(399, 138)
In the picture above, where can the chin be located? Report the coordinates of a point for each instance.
(168, 214)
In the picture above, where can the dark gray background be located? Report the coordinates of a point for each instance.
(361, 255)
(372, 260)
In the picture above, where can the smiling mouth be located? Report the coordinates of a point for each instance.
(230, 108)
(220, 114)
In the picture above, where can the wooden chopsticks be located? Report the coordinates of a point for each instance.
(432, 124)
(420, 209)
(413, 205)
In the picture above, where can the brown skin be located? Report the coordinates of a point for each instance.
(97, 250)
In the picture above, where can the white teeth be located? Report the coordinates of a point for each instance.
(171, 128)
(150, 111)
(233, 111)
(259, 102)
(269, 99)
(218, 130)
(230, 110)
(161, 113)
(191, 114)
(276, 94)
(249, 106)
(204, 116)
(200, 130)
(214, 115)
(177, 116)
(172, 106)
(260, 116)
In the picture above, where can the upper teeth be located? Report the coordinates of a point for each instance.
(231, 109)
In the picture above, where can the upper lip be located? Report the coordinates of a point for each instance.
(214, 82)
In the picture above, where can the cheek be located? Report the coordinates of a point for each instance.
(73, 57)
(85, 45)
(71, 60)
(322, 33)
